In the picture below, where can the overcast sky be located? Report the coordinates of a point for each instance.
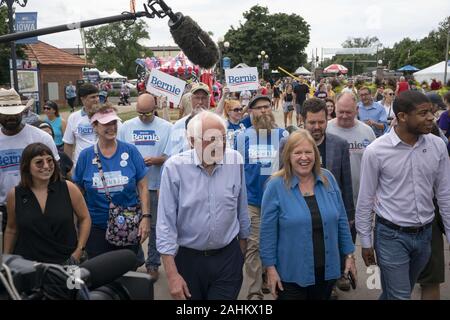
(331, 21)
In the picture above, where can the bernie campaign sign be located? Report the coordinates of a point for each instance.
(240, 79)
(162, 84)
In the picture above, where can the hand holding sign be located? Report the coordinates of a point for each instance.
(162, 84)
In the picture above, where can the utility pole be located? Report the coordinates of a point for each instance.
(9, 3)
(446, 53)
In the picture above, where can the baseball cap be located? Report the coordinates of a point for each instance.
(10, 102)
(200, 86)
(436, 99)
(257, 98)
(104, 117)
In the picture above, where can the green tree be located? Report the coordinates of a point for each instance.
(116, 46)
(283, 37)
(5, 48)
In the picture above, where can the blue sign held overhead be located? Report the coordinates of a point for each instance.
(26, 21)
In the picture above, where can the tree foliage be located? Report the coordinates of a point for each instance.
(5, 48)
(116, 46)
(283, 37)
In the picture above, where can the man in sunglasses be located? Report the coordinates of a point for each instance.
(150, 135)
(14, 137)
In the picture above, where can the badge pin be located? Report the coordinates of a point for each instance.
(123, 163)
(424, 150)
(124, 156)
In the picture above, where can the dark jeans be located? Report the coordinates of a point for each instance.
(153, 258)
(97, 244)
(212, 277)
(71, 102)
(319, 291)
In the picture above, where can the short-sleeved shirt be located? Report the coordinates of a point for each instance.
(11, 148)
(300, 93)
(374, 112)
(122, 171)
(150, 139)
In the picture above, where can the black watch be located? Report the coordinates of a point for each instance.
(147, 215)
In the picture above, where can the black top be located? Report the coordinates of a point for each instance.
(65, 164)
(317, 232)
(323, 152)
(288, 97)
(301, 91)
(45, 237)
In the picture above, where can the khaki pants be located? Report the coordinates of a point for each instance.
(253, 265)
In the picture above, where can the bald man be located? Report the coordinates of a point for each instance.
(150, 135)
(203, 213)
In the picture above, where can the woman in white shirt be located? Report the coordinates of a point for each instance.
(386, 102)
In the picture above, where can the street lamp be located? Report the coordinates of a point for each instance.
(9, 4)
(223, 47)
(264, 59)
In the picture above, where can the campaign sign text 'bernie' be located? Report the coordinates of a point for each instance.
(162, 84)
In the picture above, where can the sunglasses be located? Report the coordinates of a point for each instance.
(237, 110)
(41, 162)
(390, 94)
(46, 108)
(146, 114)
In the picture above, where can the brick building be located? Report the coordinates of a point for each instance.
(56, 68)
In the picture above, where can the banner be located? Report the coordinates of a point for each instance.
(240, 79)
(26, 21)
(163, 84)
(27, 79)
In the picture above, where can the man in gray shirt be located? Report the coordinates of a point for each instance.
(357, 134)
(401, 173)
(208, 223)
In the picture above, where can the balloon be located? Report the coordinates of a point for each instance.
(149, 63)
(180, 70)
(171, 70)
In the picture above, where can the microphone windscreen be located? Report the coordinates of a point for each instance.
(109, 266)
(196, 44)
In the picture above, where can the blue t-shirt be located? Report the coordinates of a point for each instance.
(122, 171)
(233, 130)
(258, 152)
(150, 139)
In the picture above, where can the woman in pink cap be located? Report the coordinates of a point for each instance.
(112, 175)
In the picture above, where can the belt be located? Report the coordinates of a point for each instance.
(391, 225)
(207, 253)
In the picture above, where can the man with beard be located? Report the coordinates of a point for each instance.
(14, 137)
(259, 146)
(203, 222)
(334, 156)
(400, 173)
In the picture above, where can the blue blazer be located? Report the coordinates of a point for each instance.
(286, 229)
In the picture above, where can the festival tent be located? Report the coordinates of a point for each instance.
(408, 67)
(302, 71)
(116, 75)
(105, 75)
(433, 72)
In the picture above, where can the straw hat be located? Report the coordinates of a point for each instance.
(10, 103)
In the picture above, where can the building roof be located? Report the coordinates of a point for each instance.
(46, 54)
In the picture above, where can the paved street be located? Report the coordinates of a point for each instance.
(361, 293)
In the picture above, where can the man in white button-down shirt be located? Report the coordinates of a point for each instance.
(401, 173)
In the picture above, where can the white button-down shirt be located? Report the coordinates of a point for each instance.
(399, 181)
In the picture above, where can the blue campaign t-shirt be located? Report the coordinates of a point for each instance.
(259, 152)
(150, 139)
(122, 171)
(233, 130)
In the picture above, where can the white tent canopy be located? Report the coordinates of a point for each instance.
(434, 72)
(116, 75)
(302, 71)
(104, 75)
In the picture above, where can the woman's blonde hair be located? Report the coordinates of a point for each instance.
(230, 104)
(293, 141)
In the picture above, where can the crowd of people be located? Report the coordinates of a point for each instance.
(226, 191)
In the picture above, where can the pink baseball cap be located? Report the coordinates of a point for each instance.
(105, 117)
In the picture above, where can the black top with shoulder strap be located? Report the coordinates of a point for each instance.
(48, 237)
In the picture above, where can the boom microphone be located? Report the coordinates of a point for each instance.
(109, 266)
(193, 41)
